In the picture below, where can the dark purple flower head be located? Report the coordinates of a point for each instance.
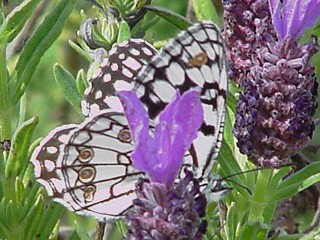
(292, 17)
(247, 25)
(274, 112)
(174, 214)
(160, 155)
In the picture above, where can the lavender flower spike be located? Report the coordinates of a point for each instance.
(161, 155)
(292, 17)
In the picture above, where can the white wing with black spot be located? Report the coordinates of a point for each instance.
(196, 58)
(115, 73)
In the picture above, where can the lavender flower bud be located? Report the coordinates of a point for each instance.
(160, 213)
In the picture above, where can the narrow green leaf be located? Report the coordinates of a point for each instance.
(31, 193)
(83, 235)
(81, 82)
(19, 189)
(39, 43)
(180, 21)
(298, 181)
(124, 32)
(228, 125)
(19, 150)
(73, 236)
(17, 18)
(32, 222)
(49, 220)
(231, 222)
(3, 214)
(80, 51)
(253, 231)
(205, 10)
(5, 125)
(68, 85)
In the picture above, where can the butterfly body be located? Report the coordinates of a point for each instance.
(91, 171)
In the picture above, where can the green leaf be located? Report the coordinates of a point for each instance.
(32, 222)
(253, 231)
(3, 214)
(21, 140)
(30, 195)
(38, 44)
(81, 232)
(49, 220)
(68, 85)
(19, 189)
(231, 222)
(298, 182)
(81, 82)
(124, 32)
(5, 126)
(180, 21)
(205, 10)
(79, 50)
(17, 18)
(73, 236)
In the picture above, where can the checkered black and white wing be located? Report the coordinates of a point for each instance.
(115, 72)
(196, 58)
(87, 167)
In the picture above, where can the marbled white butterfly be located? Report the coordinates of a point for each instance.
(87, 167)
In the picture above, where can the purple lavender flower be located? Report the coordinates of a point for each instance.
(246, 24)
(163, 209)
(274, 112)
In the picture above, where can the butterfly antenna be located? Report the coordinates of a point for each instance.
(240, 185)
(239, 173)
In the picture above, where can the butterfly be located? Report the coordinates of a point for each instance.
(87, 167)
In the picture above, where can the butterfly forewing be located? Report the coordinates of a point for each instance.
(195, 58)
(115, 72)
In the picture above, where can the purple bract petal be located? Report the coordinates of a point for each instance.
(292, 17)
(161, 155)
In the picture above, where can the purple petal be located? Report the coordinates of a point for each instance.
(183, 117)
(291, 18)
(138, 121)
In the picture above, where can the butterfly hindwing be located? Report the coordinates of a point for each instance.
(45, 157)
(115, 72)
(195, 58)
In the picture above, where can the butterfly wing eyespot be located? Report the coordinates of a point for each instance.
(85, 155)
(87, 174)
(125, 136)
(88, 193)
